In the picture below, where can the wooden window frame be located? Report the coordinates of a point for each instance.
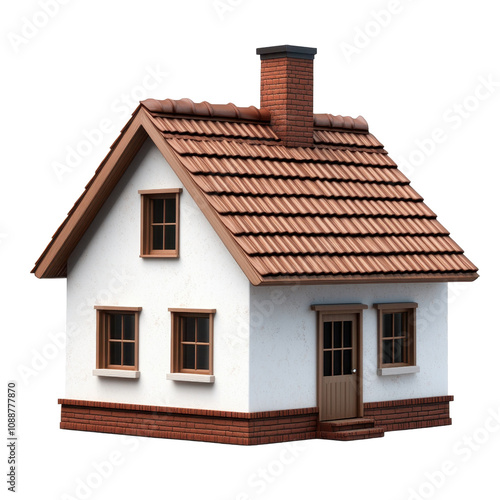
(177, 315)
(411, 345)
(102, 351)
(146, 222)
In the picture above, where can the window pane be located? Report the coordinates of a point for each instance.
(157, 210)
(115, 353)
(337, 362)
(347, 333)
(202, 361)
(387, 351)
(327, 335)
(115, 326)
(327, 363)
(157, 237)
(398, 324)
(128, 353)
(169, 238)
(203, 330)
(170, 214)
(337, 334)
(188, 329)
(387, 325)
(188, 356)
(347, 361)
(399, 356)
(128, 326)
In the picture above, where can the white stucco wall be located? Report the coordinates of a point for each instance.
(106, 269)
(283, 335)
(264, 337)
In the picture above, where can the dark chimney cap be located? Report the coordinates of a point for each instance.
(293, 51)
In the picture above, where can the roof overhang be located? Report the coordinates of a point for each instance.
(53, 261)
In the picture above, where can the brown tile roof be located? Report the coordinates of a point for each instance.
(338, 212)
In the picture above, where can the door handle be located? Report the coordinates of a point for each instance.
(354, 370)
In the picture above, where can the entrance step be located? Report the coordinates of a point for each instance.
(349, 429)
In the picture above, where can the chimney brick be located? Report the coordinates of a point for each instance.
(287, 92)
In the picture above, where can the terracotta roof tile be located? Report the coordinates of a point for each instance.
(210, 128)
(340, 209)
(234, 149)
(335, 212)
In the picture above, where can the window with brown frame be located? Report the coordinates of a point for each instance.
(160, 222)
(396, 334)
(118, 337)
(192, 340)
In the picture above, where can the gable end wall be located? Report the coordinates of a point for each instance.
(105, 269)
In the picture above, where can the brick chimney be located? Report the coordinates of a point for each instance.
(286, 90)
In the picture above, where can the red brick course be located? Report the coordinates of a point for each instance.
(410, 413)
(247, 428)
(192, 424)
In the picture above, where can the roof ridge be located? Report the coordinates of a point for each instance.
(186, 106)
(327, 120)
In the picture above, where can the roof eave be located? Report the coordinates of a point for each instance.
(372, 279)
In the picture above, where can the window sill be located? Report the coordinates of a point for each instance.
(159, 256)
(398, 370)
(191, 377)
(106, 372)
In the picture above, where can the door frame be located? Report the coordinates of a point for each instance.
(337, 309)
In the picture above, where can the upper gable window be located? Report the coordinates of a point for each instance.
(160, 222)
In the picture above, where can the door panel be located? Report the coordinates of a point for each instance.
(338, 366)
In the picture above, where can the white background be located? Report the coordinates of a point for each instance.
(419, 65)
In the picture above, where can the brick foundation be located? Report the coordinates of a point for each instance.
(195, 425)
(410, 413)
(242, 428)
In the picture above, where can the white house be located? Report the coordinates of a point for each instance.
(247, 276)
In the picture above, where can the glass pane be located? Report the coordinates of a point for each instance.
(157, 210)
(203, 330)
(188, 329)
(399, 356)
(337, 362)
(115, 326)
(202, 358)
(327, 363)
(115, 353)
(387, 351)
(387, 325)
(169, 238)
(188, 356)
(128, 353)
(170, 214)
(128, 326)
(327, 335)
(347, 333)
(157, 237)
(347, 361)
(398, 324)
(337, 334)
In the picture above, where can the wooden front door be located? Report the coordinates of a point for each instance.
(339, 373)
